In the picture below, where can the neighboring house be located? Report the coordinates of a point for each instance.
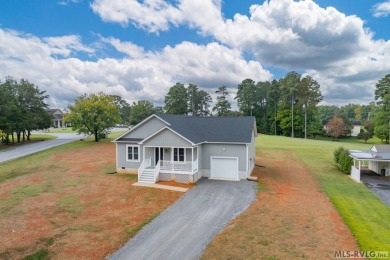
(377, 159)
(186, 148)
(58, 117)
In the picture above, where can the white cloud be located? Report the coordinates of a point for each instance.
(151, 15)
(381, 9)
(65, 45)
(67, 2)
(128, 48)
(141, 75)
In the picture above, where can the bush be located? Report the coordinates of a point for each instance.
(342, 160)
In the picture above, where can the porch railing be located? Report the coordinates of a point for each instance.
(145, 164)
(176, 166)
(156, 171)
(195, 166)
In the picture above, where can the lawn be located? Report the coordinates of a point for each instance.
(62, 204)
(291, 220)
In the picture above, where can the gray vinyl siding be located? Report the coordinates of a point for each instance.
(146, 129)
(122, 155)
(224, 150)
(200, 158)
(167, 138)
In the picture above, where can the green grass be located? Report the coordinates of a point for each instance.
(70, 203)
(88, 228)
(364, 213)
(60, 130)
(40, 255)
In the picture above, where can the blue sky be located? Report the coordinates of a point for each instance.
(138, 49)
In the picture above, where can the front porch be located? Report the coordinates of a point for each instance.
(179, 164)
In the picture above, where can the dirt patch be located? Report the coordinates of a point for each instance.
(291, 217)
(176, 184)
(75, 210)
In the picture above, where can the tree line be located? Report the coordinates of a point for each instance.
(288, 106)
(22, 109)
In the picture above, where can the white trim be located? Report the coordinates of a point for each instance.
(207, 142)
(139, 124)
(224, 157)
(127, 153)
(247, 161)
(162, 129)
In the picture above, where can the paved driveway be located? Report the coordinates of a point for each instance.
(380, 185)
(183, 230)
(23, 150)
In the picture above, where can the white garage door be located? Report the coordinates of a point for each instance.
(225, 168)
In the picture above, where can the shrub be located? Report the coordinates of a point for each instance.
(342, 160)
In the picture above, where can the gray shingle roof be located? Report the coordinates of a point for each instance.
(212, 129)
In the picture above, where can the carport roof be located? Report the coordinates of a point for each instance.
(369, 155)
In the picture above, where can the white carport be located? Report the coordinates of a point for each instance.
(377, 159)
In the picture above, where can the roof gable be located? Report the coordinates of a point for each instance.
(169, 136)
(137, 132)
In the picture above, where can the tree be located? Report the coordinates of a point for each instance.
(289, 87)
(335, 127)
(382, 113)
(141, 110)
(326, 113)
(176, 100)
(383, 90)
(198, 101)
(94, 114)
(246, 96)
(272, 102)
(315, 127)
(124, 109)
(365, 135)
(309, 97)
(222, 107)
(22, 109)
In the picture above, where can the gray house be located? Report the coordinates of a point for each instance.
(186, 148)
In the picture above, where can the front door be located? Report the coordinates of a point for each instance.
(158, 154)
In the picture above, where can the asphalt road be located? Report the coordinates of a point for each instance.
(380, 185)
(23, 150)
(183, 230)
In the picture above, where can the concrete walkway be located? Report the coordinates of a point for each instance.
(183, 230)
(23, 150)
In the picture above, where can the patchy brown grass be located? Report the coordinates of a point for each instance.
(290, 219)
(176, 184)
(75, 210)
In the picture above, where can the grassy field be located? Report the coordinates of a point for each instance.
(363, 212)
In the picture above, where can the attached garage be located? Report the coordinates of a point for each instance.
(224, 168)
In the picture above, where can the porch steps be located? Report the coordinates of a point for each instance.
(147, 176)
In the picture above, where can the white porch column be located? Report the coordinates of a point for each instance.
(192, 159)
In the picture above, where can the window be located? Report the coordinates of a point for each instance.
(133, 153)
(178, 154)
